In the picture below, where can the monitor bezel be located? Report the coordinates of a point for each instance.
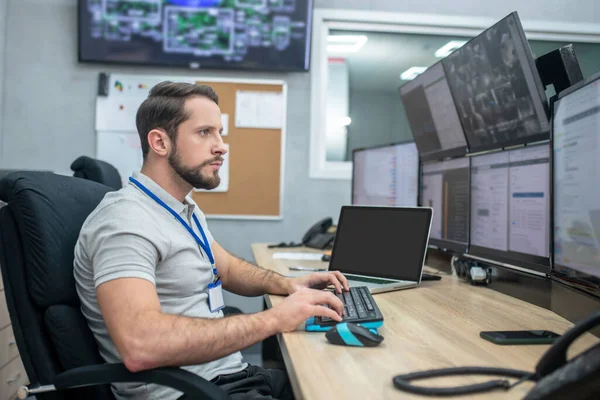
(446, 245)
(81, 8)
(442, 155)
(562, 273)
(442, 244)
(523, 260)
(453, 152)
(380, 146)
(541, 95)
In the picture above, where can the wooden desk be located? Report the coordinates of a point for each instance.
(436, 325)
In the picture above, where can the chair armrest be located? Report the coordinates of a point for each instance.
(176, 378)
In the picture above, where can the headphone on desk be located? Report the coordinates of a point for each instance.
(556, 378)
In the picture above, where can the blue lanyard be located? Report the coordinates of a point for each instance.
(203, 243)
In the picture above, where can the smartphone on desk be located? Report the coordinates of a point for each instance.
(520, 337)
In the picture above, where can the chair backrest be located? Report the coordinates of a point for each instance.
(98, 171)
(39, 228)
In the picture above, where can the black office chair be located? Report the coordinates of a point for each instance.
(40, 225)
(98, 171)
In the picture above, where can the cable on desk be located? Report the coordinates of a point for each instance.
(402, 382)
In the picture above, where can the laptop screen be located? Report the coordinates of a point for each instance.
(384, 242)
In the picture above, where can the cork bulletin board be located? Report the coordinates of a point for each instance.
(255, 137)
(256, 160)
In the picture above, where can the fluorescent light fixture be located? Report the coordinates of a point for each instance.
(412, 73)
(449, 48)
(345, 43)
(346, 121)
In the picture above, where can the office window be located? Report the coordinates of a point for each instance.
(356, 111)
(363, 105)
(364, 108)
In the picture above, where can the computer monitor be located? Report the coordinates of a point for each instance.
(197, 34)
(445, 188)
(432, 115)
(497, 89)
(386, 175)
(510, 207)
(576, 165)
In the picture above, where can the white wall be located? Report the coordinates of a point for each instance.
(47, 117)
(552, 10)
(3, 5)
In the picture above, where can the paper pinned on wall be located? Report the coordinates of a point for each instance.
(116, 114)
(258, 109)
(223, 173)
(225, 123)
(121, 149)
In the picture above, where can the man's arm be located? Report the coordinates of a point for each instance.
(124, 262)
(146, 337)
(246, 279)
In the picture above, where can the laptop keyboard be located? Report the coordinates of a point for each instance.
(359, 306)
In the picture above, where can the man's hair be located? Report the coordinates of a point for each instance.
(165, 109)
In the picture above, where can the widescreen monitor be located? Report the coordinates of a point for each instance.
(510, 207)
(432, 115)
(386, 175)
(497, 89)
(444, 186)
(198, 34)
(576, 165)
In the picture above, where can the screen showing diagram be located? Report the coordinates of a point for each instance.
(198, 34)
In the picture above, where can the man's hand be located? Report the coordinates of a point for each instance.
(320, 280)
(303, 304)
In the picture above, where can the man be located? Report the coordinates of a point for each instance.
(146, 263)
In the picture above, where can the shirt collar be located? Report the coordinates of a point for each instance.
(162, 194)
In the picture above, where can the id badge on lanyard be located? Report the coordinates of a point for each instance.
(215, 289)
(215, 296)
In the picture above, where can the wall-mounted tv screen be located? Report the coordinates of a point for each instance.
(200, 34)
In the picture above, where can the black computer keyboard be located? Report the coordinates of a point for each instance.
(359, 307)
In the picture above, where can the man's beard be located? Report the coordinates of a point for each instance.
(193, 175)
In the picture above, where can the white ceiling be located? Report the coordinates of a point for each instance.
(377, 66)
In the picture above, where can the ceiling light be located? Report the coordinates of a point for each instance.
(449, 48)
(412, 73)
(345, 43)
(346, 121)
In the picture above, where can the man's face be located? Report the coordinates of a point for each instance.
(197, 154)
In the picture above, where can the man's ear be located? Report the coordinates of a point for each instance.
(159, 142)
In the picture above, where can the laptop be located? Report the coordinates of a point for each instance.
(382, 248)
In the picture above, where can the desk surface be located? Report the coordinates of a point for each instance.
(435, 325)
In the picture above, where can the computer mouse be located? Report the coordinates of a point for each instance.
(350, 334)
(326, 257)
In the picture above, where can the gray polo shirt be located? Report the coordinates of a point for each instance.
(129, 235)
